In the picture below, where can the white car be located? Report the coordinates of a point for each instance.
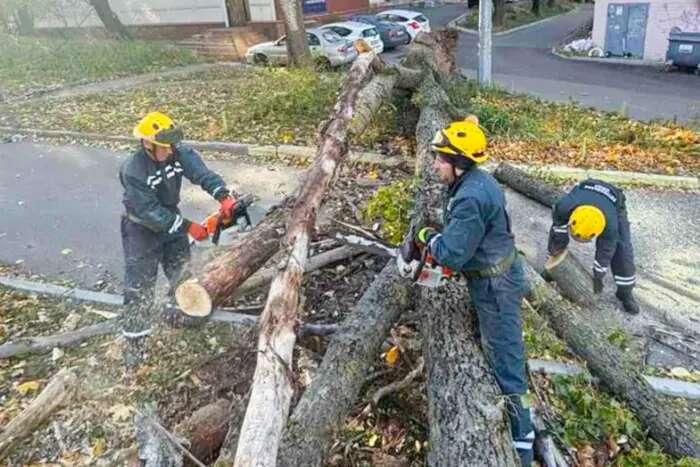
(413, 21)
(354, 31)
(327, 48)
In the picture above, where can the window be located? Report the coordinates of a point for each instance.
(281, 41)
(421, 18)
(332, 37)
(369, 32)
(313, 40)
(341, 31)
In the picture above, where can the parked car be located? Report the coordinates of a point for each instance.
(392, 35)
(327, 48)
(354, 31)
(413, 21)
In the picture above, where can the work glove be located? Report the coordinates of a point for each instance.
(226, 208)
(424, 236)
(197, 231)
(597, 281)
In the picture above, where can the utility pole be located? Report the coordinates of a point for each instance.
(485, 44)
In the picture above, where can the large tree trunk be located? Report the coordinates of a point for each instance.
(238, 14)
(340, 377)
(573, 279)
(272, 383)
(468, 421)
(526, 184)
(536, 10)
(297, 43)
(499, 12)
(614, 369)
(60, 391)
(110, 20)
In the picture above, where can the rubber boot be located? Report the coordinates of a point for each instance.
(629, 304)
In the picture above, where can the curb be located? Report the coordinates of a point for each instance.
(240, 149)
(453, 24)
(563, 173)
(667, 386)
(610, 61)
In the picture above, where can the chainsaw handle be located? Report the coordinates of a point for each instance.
(421, 264)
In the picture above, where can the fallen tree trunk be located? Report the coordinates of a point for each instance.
(527, 185)
(572, 277)
(350, 354)
(60, 391)
(616, 372)
(273, 382)
(205, 430)
(467, 415)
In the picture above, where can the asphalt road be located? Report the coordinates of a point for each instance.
(523, 62)
(61, 207)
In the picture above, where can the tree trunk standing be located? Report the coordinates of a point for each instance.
(468, 421)
(499, 12)
(297, 43)
(272, 388)
(551, 3)
(238, 14)
(348, 359)
(614, 369)
(110, 20)
(536, 7)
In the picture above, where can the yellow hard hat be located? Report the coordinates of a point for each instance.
(159, 129)
(462, 141)
(586, 223)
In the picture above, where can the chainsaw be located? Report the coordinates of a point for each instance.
(413, 262)
(215, 224)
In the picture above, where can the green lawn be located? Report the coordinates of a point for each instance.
(29, 62)
(519, 13)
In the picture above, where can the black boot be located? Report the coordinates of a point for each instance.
(629, 304)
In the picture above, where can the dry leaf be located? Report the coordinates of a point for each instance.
(372, 440)
(29, 386)
(680, 372)
(120, 412)
(99, 446)
(392, 356)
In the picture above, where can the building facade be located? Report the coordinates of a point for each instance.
(641, 29)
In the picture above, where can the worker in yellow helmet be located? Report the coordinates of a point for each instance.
(477, 242)
(153, 229)
(595, 210)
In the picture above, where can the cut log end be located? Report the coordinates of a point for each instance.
(554, 261)
(193, 299)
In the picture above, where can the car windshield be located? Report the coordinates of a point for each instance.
(421, 18)
(330, 36)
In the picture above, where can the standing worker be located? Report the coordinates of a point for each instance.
(153, 230)
(595, 209)
(477, 241)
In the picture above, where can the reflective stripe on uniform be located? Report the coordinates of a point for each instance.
(176, 224)
(523, 445)
(561, 228)
(598, 267)
(620, 280)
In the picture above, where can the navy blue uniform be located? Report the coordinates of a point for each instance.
(153, 230)
(475, 240)
(613, 245)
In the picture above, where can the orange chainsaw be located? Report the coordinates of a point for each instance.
(215, 223)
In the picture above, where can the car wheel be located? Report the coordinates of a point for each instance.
(260, 59)
(323, 64)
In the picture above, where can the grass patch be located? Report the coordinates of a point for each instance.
(519, 14)
(29, 62)
(530, 130)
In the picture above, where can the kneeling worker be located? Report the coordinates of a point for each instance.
(595, 209)
(477, 241)
(153, 230)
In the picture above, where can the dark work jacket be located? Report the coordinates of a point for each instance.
(476, 233)
(606, 197)
(152, 189)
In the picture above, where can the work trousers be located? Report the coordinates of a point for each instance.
(144, 250)
(497, 301)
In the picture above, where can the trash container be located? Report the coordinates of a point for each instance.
(684, 49)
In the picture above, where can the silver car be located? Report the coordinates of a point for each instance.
(327, 48)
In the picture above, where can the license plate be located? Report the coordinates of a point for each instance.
(685, 48)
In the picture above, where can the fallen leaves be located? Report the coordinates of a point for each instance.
(121, 412)
(27, 387)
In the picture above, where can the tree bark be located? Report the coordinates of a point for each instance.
(205, 430)
(110, 20)
(468, 421)
(348, 359)
(238, 14)
(272, 383)
(573, 279)
(297, 43)
(60, 391)
(526, 184)
(614, 369)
